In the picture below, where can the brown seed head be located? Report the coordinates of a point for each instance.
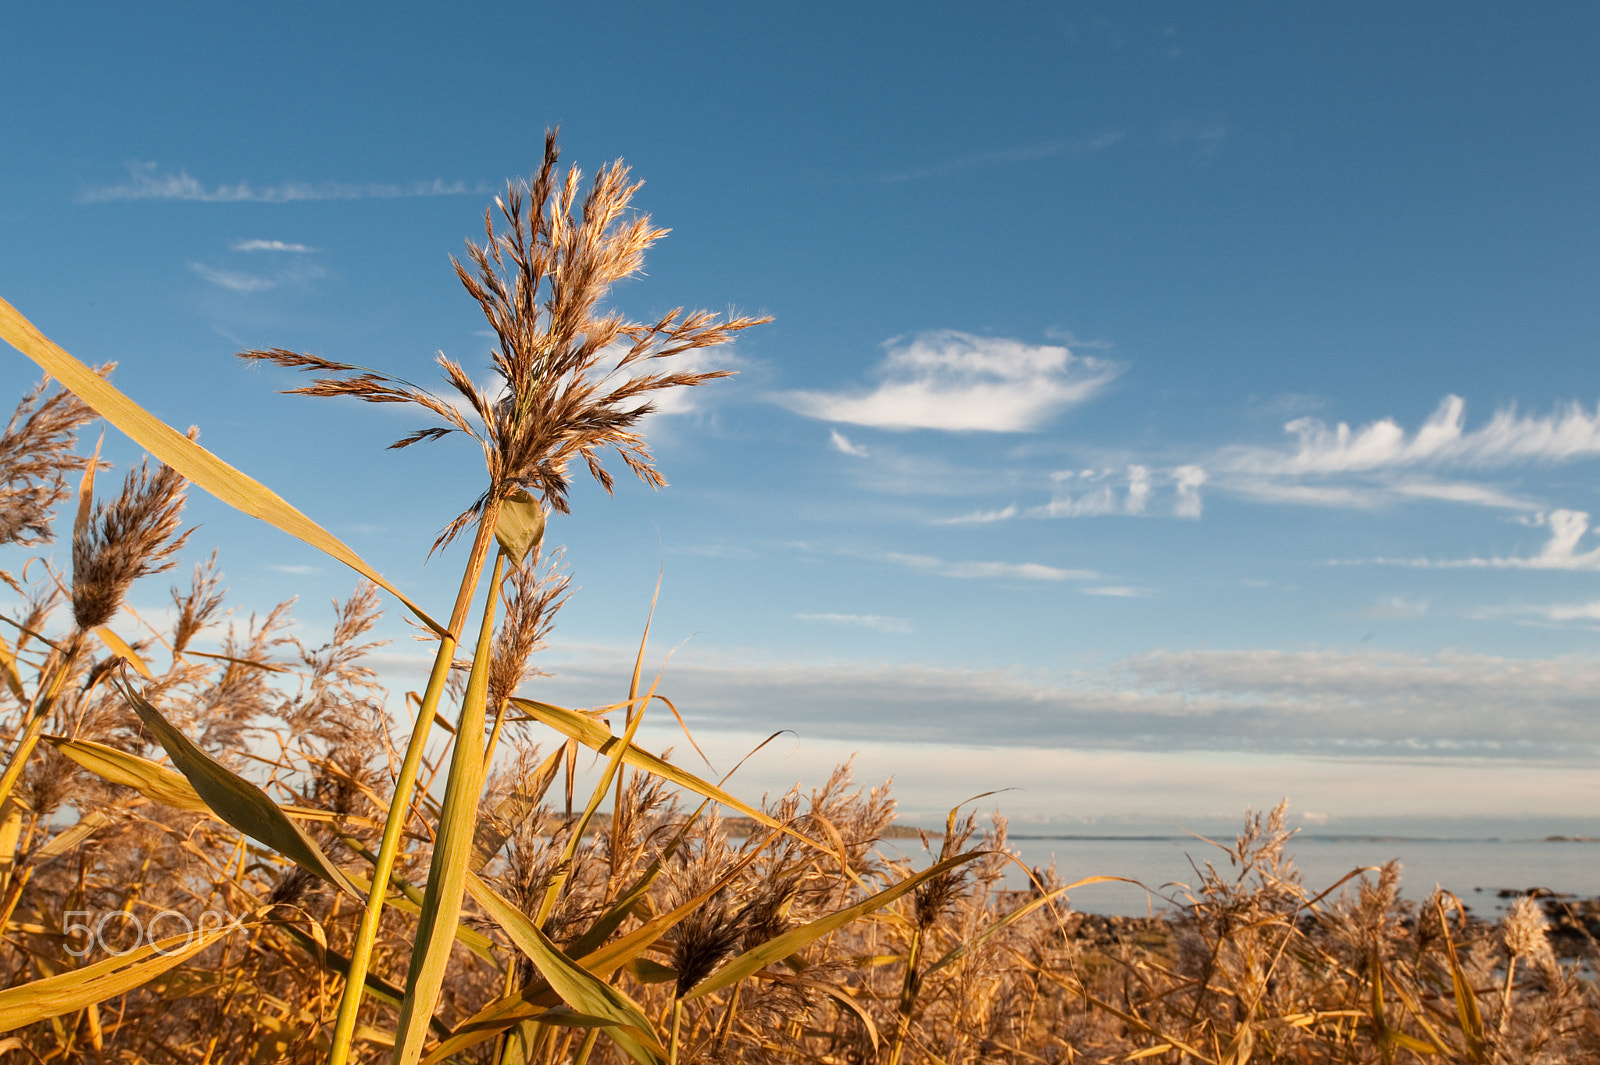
(133, 537)
(533, 595)
(575, 378)
(1525, 930)
(35, 455)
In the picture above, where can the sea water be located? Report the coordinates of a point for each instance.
(1476, 870)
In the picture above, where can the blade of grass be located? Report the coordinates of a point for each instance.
(405, 783)
(70, 991)
(577, 987)
(526, 1003)
(117, 646)
(593, 735)
(184, 455)
(1467, 1012)
(155, 782)
(234, 799)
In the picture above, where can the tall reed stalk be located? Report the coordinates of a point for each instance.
(575, 380)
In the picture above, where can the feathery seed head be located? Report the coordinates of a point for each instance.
(1525, 929)
(35, 455)
(575, 379)
(533, 594)
(133, 537)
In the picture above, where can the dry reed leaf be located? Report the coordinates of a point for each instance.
(13, 678)
(155, 782)
(595, 736)
(69, 991)
(10, 836)
(236, 800)
(184, 455)
(528, 1002)
(520, 526)
(64, 842)
(577, 987)
(117, 646)
(409, 901)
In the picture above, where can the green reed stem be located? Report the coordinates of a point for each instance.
(400, 803)
(441, 905)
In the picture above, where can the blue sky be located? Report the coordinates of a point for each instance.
(1169, 407)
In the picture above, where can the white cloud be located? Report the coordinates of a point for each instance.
(147, 182)
(1119, 591)
(1344, 704)
(1138, 489)
(1094, 502)
(1395, 608)
(1030, 571)
(1462, 492)
(233, 279)
(1508, 438)
(1189, 479)
(1560, 552)
(981, 517)
(1088, 493)
(1344, 497)
(299, 273)
(842, 443)
(957, 381)
(865, 621)
(273, 245)
(1555, 612)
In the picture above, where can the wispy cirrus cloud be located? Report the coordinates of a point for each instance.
(842, 444)
(300, 270)
(1508, 438)
(234, 280)
(876, 622)
(1557, 613)
(1381, 463)
(274, 245)
(1560, 551)
(961, 382)
(969, 570)
(981, 517)
(1091, 493)
(147, 181)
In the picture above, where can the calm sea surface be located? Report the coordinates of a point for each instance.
(1473, 869)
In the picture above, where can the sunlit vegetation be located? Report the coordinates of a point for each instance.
(195, 808)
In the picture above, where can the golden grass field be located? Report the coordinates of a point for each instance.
(232, 854)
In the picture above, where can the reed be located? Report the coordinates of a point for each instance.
(230, 854)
